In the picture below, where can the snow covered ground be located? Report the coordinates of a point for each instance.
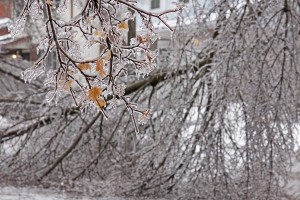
(293, 185)
(13, 193)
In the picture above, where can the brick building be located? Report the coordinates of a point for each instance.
(6, 8)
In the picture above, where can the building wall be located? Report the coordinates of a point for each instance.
(6, 8)
(4, 31)
(165, 35)
(163, 32)
(74, 8)
(6, 11)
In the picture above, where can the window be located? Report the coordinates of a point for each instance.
(25, 56)
(155, 4)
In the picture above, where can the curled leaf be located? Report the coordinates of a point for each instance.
(108, 55)
(149, 56)
(101, 103)
(123, 26)
(94, 93)
(143, 39)
(139, 39)
(84, 66)
(100, 34)
(100, 67)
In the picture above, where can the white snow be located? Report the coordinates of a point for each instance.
(4, 22)
(13, 193)
(293, 185)
(3, 123)
(5, 37)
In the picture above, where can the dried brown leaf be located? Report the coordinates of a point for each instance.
(100, 67)
(100, 34)
(123, 26)
(101, 103)
(84, 66)
(94, 93)
(108, 55)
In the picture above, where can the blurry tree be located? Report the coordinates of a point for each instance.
(223, 106)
